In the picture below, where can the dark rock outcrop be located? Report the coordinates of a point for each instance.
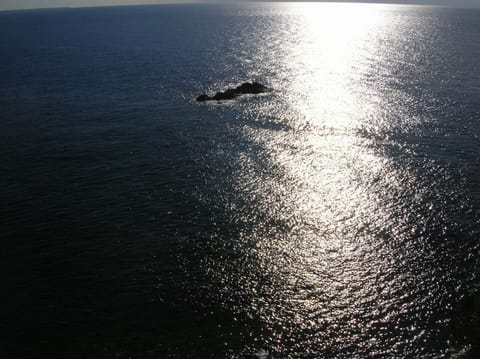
(202, 98)
(230, 94)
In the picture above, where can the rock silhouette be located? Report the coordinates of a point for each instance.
(230, 94)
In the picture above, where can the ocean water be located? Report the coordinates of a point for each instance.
(337, 216)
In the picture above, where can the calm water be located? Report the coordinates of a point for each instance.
(338, 216)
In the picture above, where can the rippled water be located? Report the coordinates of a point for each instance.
(335, 217)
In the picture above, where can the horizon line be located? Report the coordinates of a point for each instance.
(214, 2)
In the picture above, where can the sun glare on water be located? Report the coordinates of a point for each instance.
(334, 39)
(331, 207)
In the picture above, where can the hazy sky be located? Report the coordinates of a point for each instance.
(29, 4)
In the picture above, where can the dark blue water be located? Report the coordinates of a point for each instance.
(338, 216)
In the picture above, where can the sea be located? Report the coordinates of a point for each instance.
(336, 216)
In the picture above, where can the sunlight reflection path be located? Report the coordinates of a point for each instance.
(334, 209)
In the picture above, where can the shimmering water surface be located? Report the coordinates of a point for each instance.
(337, 216)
